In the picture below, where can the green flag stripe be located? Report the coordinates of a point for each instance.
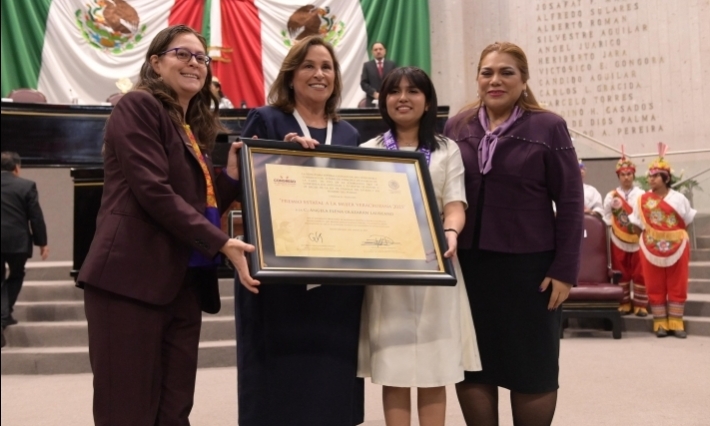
(22, 28)
(206, 20)
(403, 26)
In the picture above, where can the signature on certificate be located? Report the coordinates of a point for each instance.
(315, 237)
(378, 241)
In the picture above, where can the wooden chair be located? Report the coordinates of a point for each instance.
(597, 294)
(28, 96)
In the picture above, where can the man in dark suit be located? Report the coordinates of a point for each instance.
(374, 71)
(22, 225)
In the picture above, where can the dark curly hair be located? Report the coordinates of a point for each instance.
(203, 120)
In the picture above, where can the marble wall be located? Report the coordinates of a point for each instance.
(632, 72)
(620, 71)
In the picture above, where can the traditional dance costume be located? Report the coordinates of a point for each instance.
(665, 253)
(618, 207)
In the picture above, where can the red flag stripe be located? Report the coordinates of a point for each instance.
(187, 12)
(243, 77)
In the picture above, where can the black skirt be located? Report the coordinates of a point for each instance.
(297, 355)
(518, 337)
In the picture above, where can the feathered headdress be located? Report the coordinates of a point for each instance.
(624, 164)
(660, 165)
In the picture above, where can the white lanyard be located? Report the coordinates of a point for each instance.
(307, 133)
(328, 139)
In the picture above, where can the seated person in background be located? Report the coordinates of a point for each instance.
(224, 102)
(592, 197)
(374, 72)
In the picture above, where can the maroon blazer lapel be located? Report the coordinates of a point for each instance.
(207, 158)
(186, 142)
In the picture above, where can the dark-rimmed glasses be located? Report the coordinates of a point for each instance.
(185, 55)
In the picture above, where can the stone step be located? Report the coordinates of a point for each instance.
(702, 241)
(699, 270)
(697, 305)
(701, 224)
(75, 333)
(695, 326)
(74, 310)
(66, 290)
(226, 287)
(38, 270)
(49, 311)
(578, 327)
(699, 285)
(73, 360)
(50, 291)
(700, 255)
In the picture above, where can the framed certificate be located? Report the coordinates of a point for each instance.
(341, 215)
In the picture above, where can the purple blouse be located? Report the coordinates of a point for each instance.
(534, 164)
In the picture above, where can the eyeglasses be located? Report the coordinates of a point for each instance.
(186, 56)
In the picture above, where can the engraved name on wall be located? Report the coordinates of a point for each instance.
(586, 65)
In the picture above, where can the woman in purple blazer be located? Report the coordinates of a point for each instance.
(151, 267)
(518, 259)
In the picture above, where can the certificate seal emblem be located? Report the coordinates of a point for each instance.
(393, 185)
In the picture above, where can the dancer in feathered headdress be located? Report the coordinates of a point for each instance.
(618, 206)
(664, 215)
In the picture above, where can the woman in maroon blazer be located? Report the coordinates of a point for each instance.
(152, 264)
(518, 259)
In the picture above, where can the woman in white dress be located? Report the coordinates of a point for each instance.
(419, 336)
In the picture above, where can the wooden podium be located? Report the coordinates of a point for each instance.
(71, 136)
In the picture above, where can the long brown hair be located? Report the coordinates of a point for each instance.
(204, 122)
(427, 123)
(281, 94)
(527, 103)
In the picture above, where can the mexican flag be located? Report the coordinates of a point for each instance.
(79, 49)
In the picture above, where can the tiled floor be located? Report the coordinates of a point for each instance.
(638, 380)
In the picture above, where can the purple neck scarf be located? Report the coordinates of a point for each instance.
(391, 144)
(488, 144)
